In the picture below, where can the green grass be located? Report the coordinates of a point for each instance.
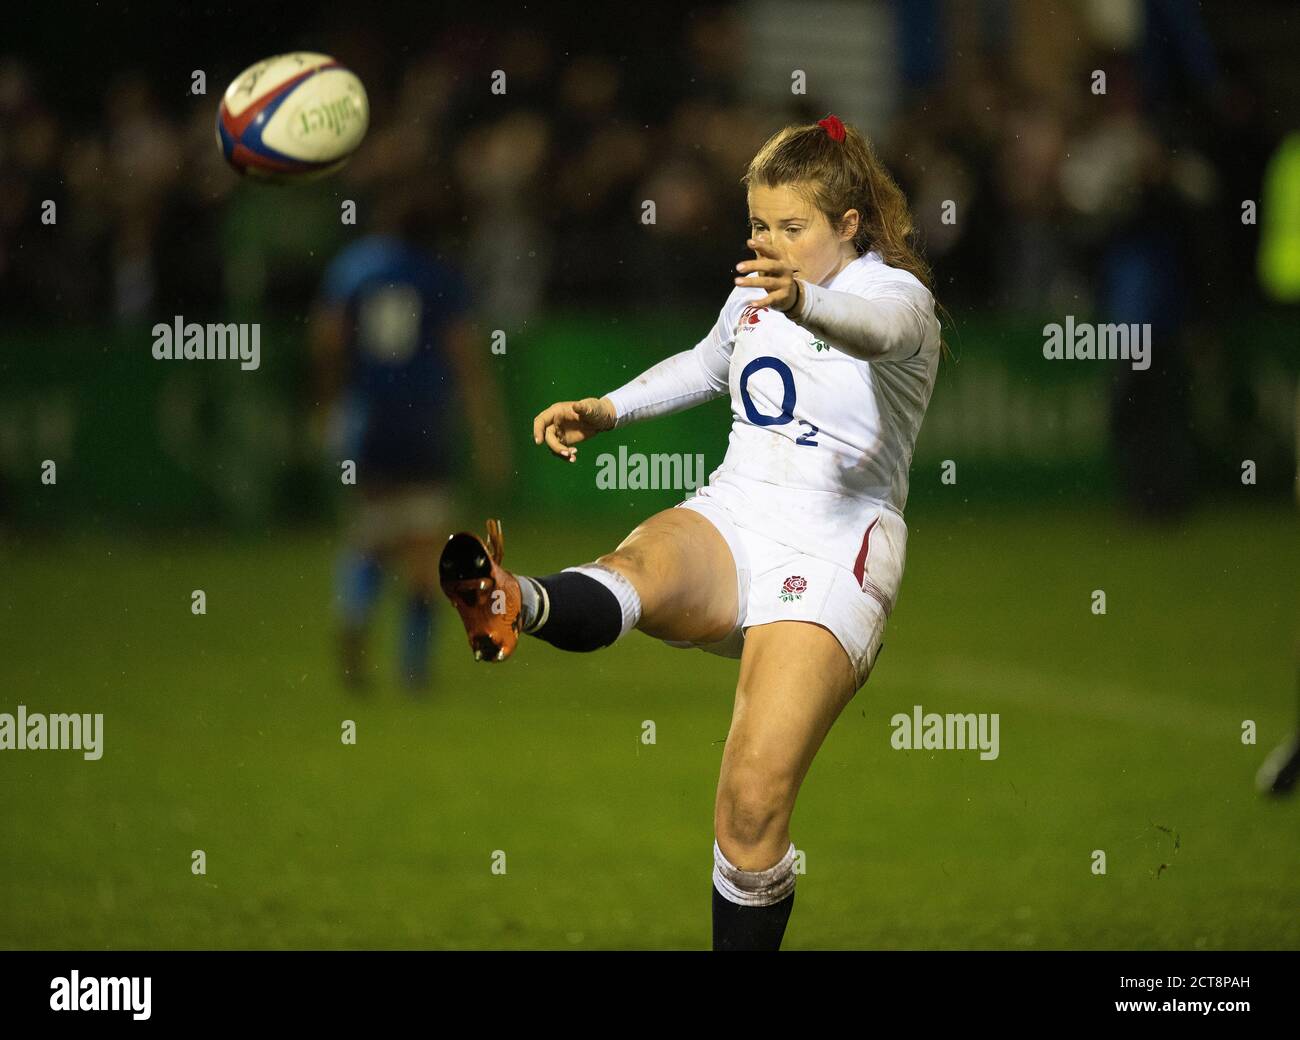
(222, 734)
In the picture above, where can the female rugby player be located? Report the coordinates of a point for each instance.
(790, 557)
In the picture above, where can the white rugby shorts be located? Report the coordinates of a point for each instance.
(776, 582)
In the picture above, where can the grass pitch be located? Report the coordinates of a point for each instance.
(1119, 733)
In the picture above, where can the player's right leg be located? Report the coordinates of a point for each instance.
(359, 577)
(421, 511)
(673, 578)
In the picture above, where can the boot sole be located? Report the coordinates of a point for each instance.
(466, 576)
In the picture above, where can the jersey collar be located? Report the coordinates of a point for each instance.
(853, 265)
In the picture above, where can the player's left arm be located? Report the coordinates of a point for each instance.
(889, 326)
(327, 335)
(483, 401)
(895, 323)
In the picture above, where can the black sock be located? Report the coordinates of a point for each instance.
(581, 613)
(737, 927)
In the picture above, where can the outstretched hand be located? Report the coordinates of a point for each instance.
(775, 275)
(567, 423)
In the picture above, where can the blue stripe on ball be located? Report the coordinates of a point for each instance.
(227, 142)
(252, 139)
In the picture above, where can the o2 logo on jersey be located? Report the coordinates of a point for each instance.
(787, 398)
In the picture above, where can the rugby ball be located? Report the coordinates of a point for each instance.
(293, 117)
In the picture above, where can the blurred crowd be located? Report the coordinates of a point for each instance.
(538, 193)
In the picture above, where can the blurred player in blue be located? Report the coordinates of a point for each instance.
(398, 364)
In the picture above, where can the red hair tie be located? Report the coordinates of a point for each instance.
(833, 127)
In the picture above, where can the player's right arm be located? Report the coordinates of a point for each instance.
(678, 382)
(327, 332)
(566, 423)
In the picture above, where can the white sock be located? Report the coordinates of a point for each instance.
(753, 887)
(534, 603)
(623, 591)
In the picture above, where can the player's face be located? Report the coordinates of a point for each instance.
(785, 219)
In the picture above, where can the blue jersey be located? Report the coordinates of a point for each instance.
(397, 302)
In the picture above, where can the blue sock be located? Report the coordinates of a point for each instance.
(357, 588)
(417, 634)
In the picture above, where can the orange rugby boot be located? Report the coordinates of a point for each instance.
(485, 594)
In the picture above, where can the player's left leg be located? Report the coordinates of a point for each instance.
(420, 511)
(795, 679)
(420, 565)
(674, 577)
(358, 579)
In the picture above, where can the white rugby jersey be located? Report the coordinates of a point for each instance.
(820, 439)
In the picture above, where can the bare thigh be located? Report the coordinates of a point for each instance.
(683, 572)
(795, 679)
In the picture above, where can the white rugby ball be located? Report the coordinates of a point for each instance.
(292, 117)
